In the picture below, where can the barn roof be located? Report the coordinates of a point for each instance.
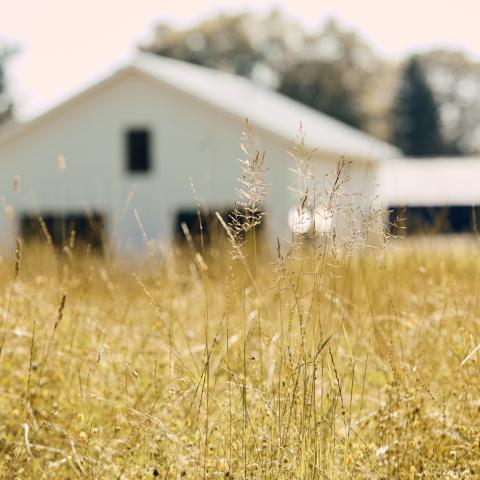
(265, 108)
(431, 182)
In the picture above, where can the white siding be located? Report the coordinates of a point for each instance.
(189, 138)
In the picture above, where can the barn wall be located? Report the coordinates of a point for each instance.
(190, 139)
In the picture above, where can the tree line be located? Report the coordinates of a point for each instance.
(427, 105)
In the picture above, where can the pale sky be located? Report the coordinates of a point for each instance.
(68, 42)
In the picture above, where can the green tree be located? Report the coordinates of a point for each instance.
(6, 104)
(329, 69)
(416, 125)
(334, 74)
(244, 44)
(319, 84)
(454, 78)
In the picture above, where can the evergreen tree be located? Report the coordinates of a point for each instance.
(416, 126)
(5, 101)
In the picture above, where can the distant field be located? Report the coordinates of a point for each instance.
(293, 366)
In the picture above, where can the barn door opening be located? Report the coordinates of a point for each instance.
(73, 230)
(190, 222)
(434, 220)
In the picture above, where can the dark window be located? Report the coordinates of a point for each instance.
(189, 220)
(138, 150)
(71, 229)
(445, 219)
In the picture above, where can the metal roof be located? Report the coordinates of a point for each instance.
(266, 108)
(431, 182)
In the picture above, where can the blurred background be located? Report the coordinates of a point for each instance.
(407, 72)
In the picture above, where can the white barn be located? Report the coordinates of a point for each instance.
(132, 139)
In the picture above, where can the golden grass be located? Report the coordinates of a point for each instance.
(295, 367)
(341, 357)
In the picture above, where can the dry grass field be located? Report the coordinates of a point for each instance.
(317, 361)
(295, 366)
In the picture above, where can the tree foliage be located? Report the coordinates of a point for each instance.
(455, 82)
(334, 74)
(319, 85)
(6, 104)
(328, 69)
(334, 70)
(239, 44)
(416, 126)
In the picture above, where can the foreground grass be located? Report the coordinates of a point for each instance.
(301, 366)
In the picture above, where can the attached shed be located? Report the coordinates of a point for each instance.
(438, 195)
(131, 141)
